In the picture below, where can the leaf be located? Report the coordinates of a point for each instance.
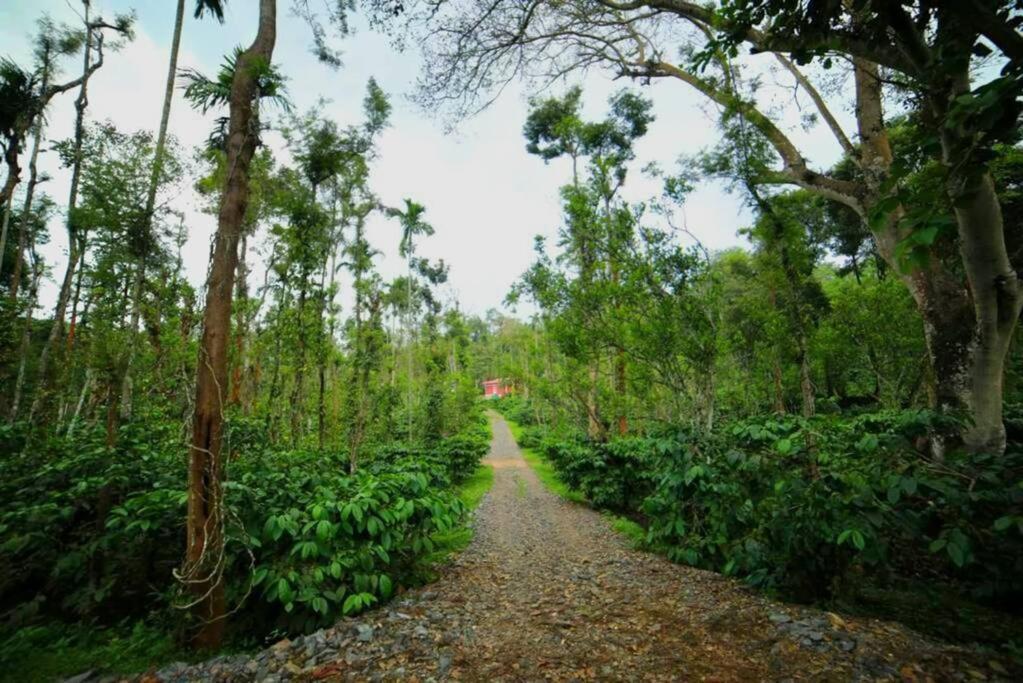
(352, 603)
(1003, 523)
(284, 590)
(385, 586)
(956, 553)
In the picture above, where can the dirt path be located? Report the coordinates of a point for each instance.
(547, 591)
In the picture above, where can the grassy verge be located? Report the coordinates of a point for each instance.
(549, 477)
(544, 470)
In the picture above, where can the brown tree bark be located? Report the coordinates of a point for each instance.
(203, 567)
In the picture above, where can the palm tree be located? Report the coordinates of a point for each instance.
(412, 224)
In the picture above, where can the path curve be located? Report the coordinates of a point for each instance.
(547, 591)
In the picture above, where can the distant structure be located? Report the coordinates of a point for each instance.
(496, 388)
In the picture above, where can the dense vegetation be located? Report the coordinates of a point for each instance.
(834, 410)
(347, 437)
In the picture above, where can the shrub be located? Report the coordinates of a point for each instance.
(93, 531)
(811, 507)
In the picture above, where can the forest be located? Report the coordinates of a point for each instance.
(289, 470)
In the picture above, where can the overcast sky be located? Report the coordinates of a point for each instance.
(485, 196)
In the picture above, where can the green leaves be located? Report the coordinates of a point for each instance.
(854, 536)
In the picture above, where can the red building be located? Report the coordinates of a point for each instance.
(495, 388)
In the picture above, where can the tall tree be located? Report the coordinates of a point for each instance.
(928, 47)
(204, 556)
(92, 59)
(142, 240)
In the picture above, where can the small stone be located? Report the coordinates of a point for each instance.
(421, 632)
(780, 618)
(293, 668)
(364, 632)
(847, 645)
(443, 664)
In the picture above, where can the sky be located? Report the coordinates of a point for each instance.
(485, 196)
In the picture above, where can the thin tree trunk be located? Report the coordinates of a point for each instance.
(25, 345)
(74, 247)
(297, 395)
(26, 209)
(154, 182)
(204, 557)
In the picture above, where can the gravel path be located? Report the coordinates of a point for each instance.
(547, 591)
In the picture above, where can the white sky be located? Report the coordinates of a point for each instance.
(485, 196)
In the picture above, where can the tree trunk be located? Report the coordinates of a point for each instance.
(25, 345)
(74, 246)
(7, 191)
(204, 558)
(241, 324)
(26, 209)
(620, 386)
(297, 395)
(154, 182)
(805, 379)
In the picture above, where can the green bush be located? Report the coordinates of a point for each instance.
(516, 408)
(812, 507)
(96, 532)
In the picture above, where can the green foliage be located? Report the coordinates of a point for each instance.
(815, 507)
(91, 531)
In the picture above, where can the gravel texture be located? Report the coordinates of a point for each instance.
(547, 591)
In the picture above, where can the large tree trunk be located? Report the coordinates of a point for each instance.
(204, 557)
(241, 324)
(967, 325)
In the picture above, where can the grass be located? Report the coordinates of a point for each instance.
(56, 651)
(628, 528)
(549, 477)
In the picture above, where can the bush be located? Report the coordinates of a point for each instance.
(812, 507)
(94, 531)
(517, 409)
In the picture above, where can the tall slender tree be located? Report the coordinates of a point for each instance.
(204, 557)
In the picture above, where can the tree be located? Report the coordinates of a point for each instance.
(412, 224)
(203, 567)
(92, 50)
(25, 95)
(214, 7)
(597, 229)
(928, 47)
